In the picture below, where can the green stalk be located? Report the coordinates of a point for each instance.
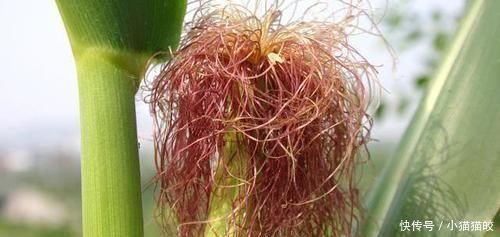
(112, 42)
(447, 165)
(111, 185)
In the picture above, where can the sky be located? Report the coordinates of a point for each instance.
(38, 85)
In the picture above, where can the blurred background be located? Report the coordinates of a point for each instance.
(39, 121)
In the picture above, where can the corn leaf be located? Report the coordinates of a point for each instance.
(446, 168)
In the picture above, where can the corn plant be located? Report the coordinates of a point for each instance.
(258, 124)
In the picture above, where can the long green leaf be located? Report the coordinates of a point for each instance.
(447, 165)
(112, 41)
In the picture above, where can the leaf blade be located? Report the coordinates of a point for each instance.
(454, 124)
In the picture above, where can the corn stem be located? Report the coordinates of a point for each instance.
(112, 41)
